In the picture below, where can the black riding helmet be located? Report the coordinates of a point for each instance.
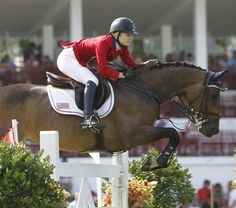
(123, 24)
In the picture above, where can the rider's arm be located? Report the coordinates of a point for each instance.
(102, 51)
(127, 58)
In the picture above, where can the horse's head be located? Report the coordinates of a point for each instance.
(205, 104)
(199, 87)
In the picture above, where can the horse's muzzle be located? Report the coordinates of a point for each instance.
(208, 131)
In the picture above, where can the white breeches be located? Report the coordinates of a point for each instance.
(68, 64)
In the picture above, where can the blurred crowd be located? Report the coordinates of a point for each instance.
(35, 65)
(32, 71)
(214, 196)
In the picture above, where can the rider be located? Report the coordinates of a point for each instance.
(75, 56)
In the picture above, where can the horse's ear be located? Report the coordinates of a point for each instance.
(218, 75)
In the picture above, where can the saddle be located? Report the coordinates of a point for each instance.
(102, 92)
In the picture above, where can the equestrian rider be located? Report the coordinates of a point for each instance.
(74, 58)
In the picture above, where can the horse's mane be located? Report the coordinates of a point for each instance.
(161, 64)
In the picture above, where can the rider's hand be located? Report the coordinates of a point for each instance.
(129, 74)
(121, 75)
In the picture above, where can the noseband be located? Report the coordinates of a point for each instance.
(198, 118)
(201, 116)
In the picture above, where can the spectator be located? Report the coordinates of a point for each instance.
(189, 58)
(6, 68)
(181, 56)
(204, 195)
(224, 62)
(31, 63)
(219, 196)
(47, 64)
(213, 63)
(232, 60)
(229, 188)
(8, 63)
(232, 198)
(29, 51)
(170, 57)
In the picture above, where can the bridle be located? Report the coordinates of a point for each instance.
(201, 116)
(196, 117)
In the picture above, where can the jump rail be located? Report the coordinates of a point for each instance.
(118, 171)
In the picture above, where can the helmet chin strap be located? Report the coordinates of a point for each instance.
(117, 40)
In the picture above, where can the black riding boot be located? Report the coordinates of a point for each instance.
(91, 120)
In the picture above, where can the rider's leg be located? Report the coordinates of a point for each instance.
(90, 119)
(68, 64)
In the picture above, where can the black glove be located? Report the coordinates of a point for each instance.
(129, 74)
(151, 63)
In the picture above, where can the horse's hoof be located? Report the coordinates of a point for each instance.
(146, 164)
(149, 164)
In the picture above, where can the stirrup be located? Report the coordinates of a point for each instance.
(93, 123)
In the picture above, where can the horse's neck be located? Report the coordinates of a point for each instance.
(171, 81)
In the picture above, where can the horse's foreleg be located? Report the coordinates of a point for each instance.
(164, 159)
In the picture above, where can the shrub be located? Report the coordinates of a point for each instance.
(161, 188)
(25, 179)
(173, 185)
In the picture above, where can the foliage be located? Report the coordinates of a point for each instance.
(173, 185)
(140, 194)
(23, 44)
(25, 179)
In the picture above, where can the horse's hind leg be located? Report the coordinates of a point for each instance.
(164, 159)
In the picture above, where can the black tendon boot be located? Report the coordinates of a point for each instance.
(164, 159)
(91, 120)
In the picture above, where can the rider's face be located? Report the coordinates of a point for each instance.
(126, 38)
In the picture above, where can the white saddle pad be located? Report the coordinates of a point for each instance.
(63, 102)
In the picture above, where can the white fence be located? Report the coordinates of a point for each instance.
(118, 171)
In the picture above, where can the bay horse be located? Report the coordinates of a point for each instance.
(137, 105)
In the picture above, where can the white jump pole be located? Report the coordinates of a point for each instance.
(96, 160)
(14, 124)
(120, 184)
(49, 142)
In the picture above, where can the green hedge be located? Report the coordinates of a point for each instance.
(25, 180)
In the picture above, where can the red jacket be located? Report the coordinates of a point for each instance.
(104, 48)
(204, 195)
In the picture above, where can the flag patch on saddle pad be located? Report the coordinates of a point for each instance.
(63, 105)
